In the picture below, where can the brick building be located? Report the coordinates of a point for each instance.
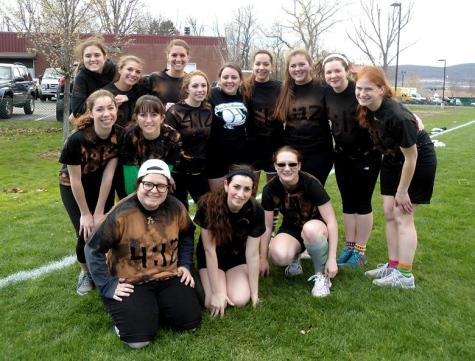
(207, 53)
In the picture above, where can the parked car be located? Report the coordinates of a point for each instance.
(17, 89)
(49, 83)
(60, 99)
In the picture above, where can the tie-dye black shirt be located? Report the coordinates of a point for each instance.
(307, 128)
(85, 148)
(125, 111)
(349, 137)
(165, 87)
(298, 205)
(137, 149)
(143, 245)
(194, 126)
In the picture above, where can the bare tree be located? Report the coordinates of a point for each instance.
(309, 20)
(240, 34)
(278, 45)
(20, 15)
(118, 17)
(155, 25)
(57, 28)
(195, 28)
(376, 34)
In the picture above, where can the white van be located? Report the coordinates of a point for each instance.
(49, 83)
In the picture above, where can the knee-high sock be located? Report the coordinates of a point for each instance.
(319, 253)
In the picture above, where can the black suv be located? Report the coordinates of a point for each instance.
(17, 89)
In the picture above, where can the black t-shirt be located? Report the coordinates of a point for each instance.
(85, 148)
(165, 87)
(393, 126)
(228, 128)
(349, 137)
(137, 149)
(248, 222)
(194, 126)
(298, 205)
(262, 126)
(87, 82)
(125, 111)
(307, 128)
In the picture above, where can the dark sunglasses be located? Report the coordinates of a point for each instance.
(283, 164)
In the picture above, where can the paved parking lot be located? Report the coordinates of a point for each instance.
(43, 111)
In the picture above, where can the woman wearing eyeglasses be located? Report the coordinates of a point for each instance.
(148, 139)
(149, 239)
(308, 221)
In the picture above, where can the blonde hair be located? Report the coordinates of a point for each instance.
(187, 80)
(86, 119)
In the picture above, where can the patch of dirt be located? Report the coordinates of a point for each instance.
(49, 155)
(27, 131)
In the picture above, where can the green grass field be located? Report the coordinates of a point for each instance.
(44, 319)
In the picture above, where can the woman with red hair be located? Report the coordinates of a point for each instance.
(407, 172)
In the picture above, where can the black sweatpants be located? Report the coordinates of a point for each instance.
(196, 185)
(139, 315)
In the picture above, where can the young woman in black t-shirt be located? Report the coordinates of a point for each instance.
(94, 72)
(264, 132)
(308, 221)
(227, 143)
(301, 106)
(357, 162)
(192, 118)
(149, 138)
(166, 84)
(89, 159)
(228, 251)
(126, 87)
(407, 172)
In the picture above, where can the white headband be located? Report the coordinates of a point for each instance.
(338, 56)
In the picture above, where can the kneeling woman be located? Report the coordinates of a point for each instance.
(407, 172)
(147, 273)
(308, 221)
(228, 251)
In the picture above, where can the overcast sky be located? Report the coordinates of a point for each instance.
(439, 29)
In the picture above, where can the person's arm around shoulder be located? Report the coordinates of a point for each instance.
(402, 195)
(86, 221)
(328, 215)
(219, 297)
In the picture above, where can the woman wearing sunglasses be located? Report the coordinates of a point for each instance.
(308, 221)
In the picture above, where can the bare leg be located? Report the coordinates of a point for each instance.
(364, 225)
(283, 248)
(237, 285)
(391, 227)
(407, 236)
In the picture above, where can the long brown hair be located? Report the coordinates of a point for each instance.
(378, 77)
(248, 85)
(87, 119)
(96, 40)
(319, 66)
(287, 94)
(216, 208)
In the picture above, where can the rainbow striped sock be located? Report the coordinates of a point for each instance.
(392, 263)
(360, 248)
(405, 269)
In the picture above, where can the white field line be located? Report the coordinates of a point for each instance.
(37, 272)
(69, 260)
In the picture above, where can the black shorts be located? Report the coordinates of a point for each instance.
(295, 232)
(422, 184)
(168, 301)
(219, 161)
(226, 261)
(356, 177)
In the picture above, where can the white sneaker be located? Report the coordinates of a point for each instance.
(322, 285)
(85, 284)
(380, 271)
(396, 279)
(305, 255)
(294, 268)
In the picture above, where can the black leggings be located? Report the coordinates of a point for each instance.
(195, 185)
(319, 165)
(75, 214)
(169, 301)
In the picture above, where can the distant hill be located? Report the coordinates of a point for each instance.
(462, 73)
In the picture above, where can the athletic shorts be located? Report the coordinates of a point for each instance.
(422, 184)
(226, 261)
(319, 165)
(356, 178)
